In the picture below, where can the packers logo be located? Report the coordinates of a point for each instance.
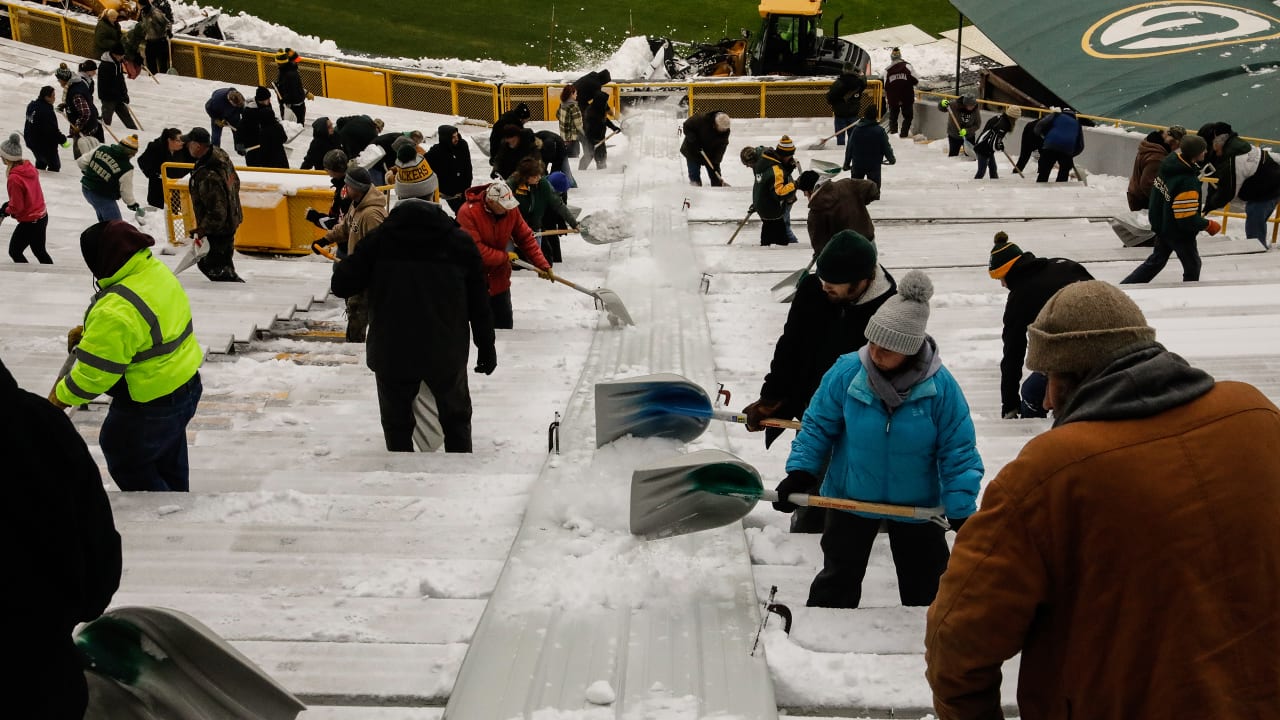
(1166, 28)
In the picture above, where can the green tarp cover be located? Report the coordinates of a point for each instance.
(1164, 63)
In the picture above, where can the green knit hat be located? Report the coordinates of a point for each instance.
(1003, 255)
(847, 258)
(1085, 326)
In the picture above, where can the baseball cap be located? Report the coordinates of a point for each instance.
(501, 193)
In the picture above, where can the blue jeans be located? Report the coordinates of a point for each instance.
(215, 133)
(841, 124)
(1255, 218)
(786, 218)
(1033, 391)
(145, 444)
(695, 172)
(106, 208)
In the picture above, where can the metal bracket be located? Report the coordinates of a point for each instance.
(553, 435)
(722, 393)
(686, 205)
(770, 606)
(705, 286)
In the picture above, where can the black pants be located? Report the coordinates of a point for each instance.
(599, 153)
(773, 232)
(158, 56)
(954, 145)
(219, 264)
(453, 401)
(920, 556)
(1048, 158)
(500, 306)
(30, 235)
(299, 111)
(908, 111)
(868, 173)
(1188, 254)
(1031, 142)
(985, 161)
(46, 157)
(119, 110)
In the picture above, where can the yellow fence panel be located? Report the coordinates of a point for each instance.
(80, 40)
(427, 94)
(740, 100)
(535, 96)
(183, 57)
(242, 67)
(37, 28)
(476, 100)
(356, 84)
(312, 74)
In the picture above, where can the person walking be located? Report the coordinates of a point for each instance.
(488, 219)
(293, 95)
(224, 108)
(845, 98)
(1031, 281)
(991, 140)
(1248, 173)
(81, 113)
(113, 92)
(167, 148)
(1175, 214)
(450, 158)
(215, 202)
(137, 345)
(368, 212)
(107, 178)
(1063, 141)
(41, 133)
(1133, 545)
(569, 117)
(25, 204)
(706, 137)
(836, 205)
(157, 28)
(1152, 150)
(827, 318)
(900, 91)
(868, 148)
(426, 288)
(774, 192)
(70, 565)
(888, 424)
(261, 134)
(963, 122)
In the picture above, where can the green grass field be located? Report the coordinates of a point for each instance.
(521, 32)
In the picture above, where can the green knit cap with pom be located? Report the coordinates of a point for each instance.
(1003, 255)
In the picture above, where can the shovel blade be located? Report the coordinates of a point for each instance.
(1131, 235)
(603, 229)
(612, 305)
(198, 249)
(663, 405)
(823, 166)
(699, 491)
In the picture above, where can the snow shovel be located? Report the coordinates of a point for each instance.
(1131, 235)
(966, 147)
(822, 166)
(428, 435)
(605, 298)
(664, 405)
(712, 168)
(604, 230)
(1014, 164)
(823, 142)
(712, 488)
(742, 224)
(606, 138)
(198, 249)
(785, 291)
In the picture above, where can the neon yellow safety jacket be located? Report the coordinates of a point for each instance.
(138, 328)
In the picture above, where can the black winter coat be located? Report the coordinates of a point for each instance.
(426, 290)
(505, 159)
(111, 83)
(321, 142)
(506, 119)
(845, 95)
(355, 132)
(451, 163)
(64, 561)
(1032, 281)
(152, 159)
(816, 333)
(595, 117)
(991, 140)
(41, 131)
(289, 84)
(591, 83)
(869, 145)
(263, 137)
(552, 150)
(700, 134)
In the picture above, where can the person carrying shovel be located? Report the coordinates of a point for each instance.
(827, 319)
(889, 424)
(489, 219)
(706, 137)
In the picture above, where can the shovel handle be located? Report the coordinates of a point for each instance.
(555, 278)
(734, 417)
(548, 233)
(823, 141)
(932, 514)
(1011, 162)
(742, 224)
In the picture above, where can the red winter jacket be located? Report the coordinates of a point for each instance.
(493, 235)
(26, 199)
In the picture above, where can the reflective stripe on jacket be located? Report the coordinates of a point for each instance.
(138, 328)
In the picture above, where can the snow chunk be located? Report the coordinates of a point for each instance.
(601, 693)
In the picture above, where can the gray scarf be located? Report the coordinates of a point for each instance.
(894, 389)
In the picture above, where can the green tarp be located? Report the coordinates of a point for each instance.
(1164, 63)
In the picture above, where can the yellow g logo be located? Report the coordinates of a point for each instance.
(1166, 28)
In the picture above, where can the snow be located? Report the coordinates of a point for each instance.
(294, 449)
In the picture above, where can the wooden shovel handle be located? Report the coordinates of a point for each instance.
(548, 233)
(933, 514)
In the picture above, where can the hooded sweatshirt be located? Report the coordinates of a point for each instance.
(836, 205)
(26, 199)
(451, 163)
(1146, 165)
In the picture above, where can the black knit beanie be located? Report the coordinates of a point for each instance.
(847, 258)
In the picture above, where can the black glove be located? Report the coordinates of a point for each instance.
(796, 481)
(313, 216)
(4, 209)
(486, 361)
(956, 523)
(751, 208)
